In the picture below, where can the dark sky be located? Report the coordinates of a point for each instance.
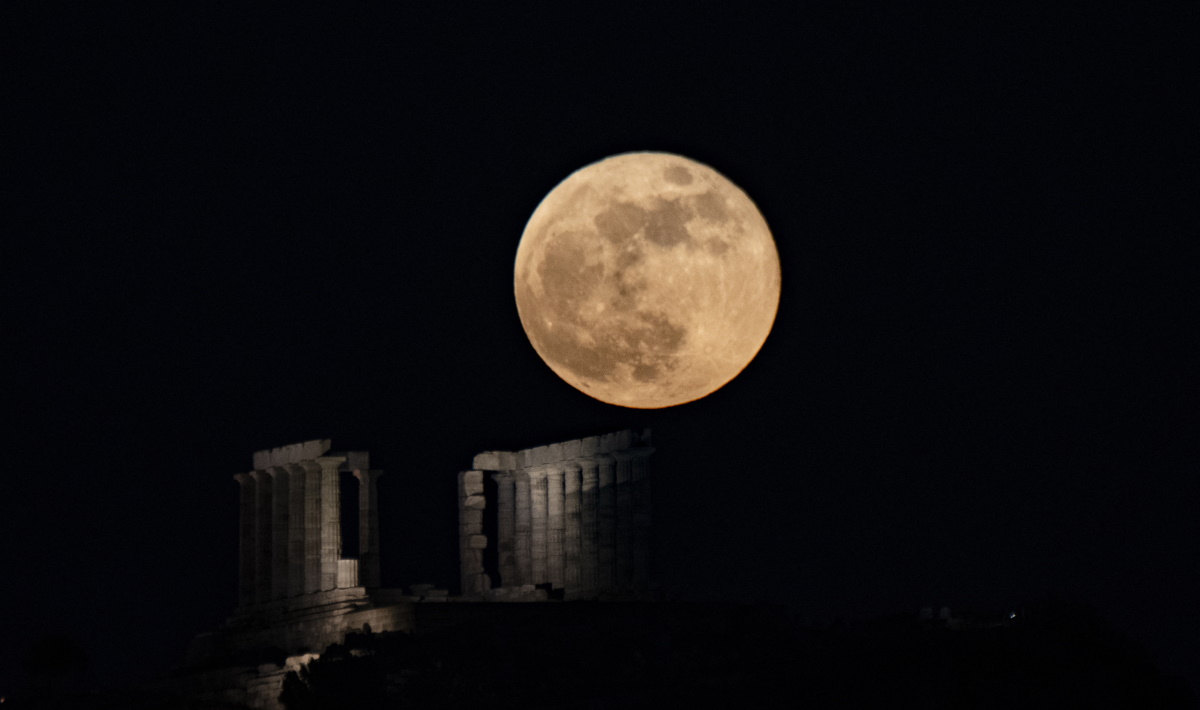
(242, 228)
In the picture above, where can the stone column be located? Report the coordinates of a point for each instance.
(472, 541)
(640, 479)
(555, 527)
(537, 525)
(279, 532)
(572, 532)
(624, 521)
(523, 528)
(368, 527)
(296, 552)
(331, 520)
(312, 526)
(506, 527)
(606, 503)
(246, 540)
(262, 536)
(589, 550)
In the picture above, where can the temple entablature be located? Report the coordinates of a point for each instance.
(561, 452)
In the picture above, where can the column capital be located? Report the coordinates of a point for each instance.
(602, 459)
(242, 478)
(260, 476)
(502, 476)
(366, 475)
(277, 471)
(537, 474)
(330, 462)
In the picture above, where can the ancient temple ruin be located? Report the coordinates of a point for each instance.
(572, 518)
(290, 541)
(566, 521)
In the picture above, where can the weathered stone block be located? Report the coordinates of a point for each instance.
(310, 450)
(571, 449)
(588, 446)
(554, 452)
(477, 542)
(495, 461)
(624, 439)
(471, 516)
(262, 459)
(473, 488)
(487, 461)
(478, 502)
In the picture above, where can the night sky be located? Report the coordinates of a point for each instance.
(242, 228)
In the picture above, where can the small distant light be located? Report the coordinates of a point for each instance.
(1012, 615)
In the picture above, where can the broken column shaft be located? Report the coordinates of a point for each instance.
(572, 532)
(331, 520)
(296, 529)
(279, 532)
(505, 527)
(555, 527)
(523, 528)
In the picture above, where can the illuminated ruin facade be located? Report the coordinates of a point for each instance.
(566, 521)
(572, 519)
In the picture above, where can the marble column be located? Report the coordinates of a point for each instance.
(472, 541)
(572, 532)
(624, 521)
(262, 536)
(331, 520)
(523, 528)
(606, 503)
(247, 530)
(296, 553)
(537, 525)
(555, 527)
(279, 532)
(368, 527)
(312, 526)
(506, 527)
(590, 530)
(640, 479)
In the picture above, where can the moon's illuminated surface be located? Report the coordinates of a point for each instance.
(647, 280)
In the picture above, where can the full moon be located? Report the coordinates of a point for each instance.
(647, 280)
